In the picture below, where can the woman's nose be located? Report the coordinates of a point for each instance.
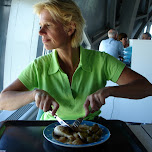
(42, 31)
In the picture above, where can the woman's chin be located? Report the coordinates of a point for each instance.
(47, 47)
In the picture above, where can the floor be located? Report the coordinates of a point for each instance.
(144, 133)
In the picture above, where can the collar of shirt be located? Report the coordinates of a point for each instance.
(84, 63)
(111, 39)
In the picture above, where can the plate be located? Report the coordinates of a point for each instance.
(48, 134)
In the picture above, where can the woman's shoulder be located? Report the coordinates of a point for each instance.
(42, 62)
(43, 59)
(95, 53)
(94, 56)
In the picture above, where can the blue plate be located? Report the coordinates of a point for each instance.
(48, 134)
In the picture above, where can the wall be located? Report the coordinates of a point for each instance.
(22, 39)
(139, 111)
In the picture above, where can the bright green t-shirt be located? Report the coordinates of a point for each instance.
(94, 69)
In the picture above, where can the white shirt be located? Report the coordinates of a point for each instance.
(112, 47)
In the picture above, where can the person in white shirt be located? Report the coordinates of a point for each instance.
(111, 45)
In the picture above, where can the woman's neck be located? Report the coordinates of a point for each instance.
(69, 60)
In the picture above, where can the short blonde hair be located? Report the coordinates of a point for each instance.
(65, 11)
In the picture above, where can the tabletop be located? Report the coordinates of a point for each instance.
(27, 136)
(144, 133)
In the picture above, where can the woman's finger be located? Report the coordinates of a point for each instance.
(86, 107)
(37, 99)
(55, 107)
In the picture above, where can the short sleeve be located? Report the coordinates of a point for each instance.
(29, 76)
(113, 68)
(101, 46)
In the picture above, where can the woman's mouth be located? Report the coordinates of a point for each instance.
(45, 40)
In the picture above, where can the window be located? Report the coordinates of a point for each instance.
(145, 29)
(150, 30)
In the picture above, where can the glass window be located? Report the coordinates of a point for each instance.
(150, 30)
(145, 29)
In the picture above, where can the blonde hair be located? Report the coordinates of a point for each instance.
(65, 11)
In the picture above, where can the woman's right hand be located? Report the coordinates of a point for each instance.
(45, 102)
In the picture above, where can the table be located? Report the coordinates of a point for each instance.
(27, 136)
(144, 133)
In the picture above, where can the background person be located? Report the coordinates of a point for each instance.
(146, 36)
(70, 80)
(127, 52)
(111, 45)
(124, 39)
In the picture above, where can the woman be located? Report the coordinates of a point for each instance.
(124, 39)
(71, 80)
(127, 53)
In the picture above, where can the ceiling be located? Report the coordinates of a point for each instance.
(127, 16)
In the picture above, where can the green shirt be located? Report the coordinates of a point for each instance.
(94, 69)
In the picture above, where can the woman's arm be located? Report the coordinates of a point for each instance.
(17, 95)
(131, 85)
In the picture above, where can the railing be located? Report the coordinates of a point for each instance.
(27, 112)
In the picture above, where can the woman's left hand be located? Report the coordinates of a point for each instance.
(95, 100)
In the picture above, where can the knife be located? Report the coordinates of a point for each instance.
(63, 123)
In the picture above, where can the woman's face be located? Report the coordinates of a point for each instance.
(124, 41)
(52, 32)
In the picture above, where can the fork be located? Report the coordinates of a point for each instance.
(77, 122)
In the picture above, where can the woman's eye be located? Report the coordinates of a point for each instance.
(40, 27)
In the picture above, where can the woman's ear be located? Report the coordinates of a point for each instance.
(71, 28)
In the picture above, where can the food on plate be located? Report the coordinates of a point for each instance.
(84, 134)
